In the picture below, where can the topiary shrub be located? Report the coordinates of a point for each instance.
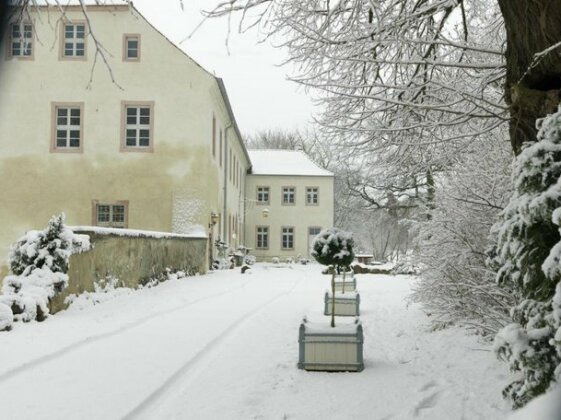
(334, 248)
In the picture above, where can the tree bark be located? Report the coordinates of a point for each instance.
(533, 88)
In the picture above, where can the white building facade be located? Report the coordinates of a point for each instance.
(289, 200)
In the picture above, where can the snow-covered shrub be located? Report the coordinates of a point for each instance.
(303, 260)
(456, 286)
(334, 248)
(249, 259)
(527, 261)
(6, 317)
(105, 289)
(39, 263)
(275, 260)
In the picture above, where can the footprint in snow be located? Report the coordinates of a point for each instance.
(426, 402)
(428, 385)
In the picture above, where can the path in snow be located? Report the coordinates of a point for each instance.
(224, 346)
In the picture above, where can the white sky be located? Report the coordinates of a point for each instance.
(261, 96)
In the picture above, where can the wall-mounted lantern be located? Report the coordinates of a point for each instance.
(213, 219)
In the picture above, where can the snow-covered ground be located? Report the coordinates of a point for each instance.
(224, 346)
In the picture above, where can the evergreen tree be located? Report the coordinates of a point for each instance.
(526, 258)
(50, 247)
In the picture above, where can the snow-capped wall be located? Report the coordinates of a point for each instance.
(133, 257)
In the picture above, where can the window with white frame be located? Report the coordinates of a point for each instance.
(287, 238)
(314, 231)
(68, 127)
(262, 237)
(262, 195)
(21, 40)
(138, 127)
(111, 214)
(312, 195)
(74, 40)
(288, 195)
(132, 47)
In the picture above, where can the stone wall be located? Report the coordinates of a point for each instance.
(132, 257)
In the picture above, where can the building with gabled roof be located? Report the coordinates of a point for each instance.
(157, 149)
(289, 200)
(147, 142)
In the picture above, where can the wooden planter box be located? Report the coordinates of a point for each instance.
(346, 304)
(331, 349)
(350, 283)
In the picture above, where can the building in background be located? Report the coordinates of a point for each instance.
(289, 200)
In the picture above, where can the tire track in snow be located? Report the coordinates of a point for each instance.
(10, 373)
(206, 352)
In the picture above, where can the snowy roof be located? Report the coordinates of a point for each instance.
(284, 162)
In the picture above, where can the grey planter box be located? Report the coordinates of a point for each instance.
(346, 304)
(331, 349)
(350, 283)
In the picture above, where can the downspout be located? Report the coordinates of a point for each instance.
(224, 225)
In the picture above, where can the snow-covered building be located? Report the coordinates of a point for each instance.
(157, 149)
(148, 141)
(289, 200)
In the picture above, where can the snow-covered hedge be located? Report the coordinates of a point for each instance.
(456, 286)
(39, 263)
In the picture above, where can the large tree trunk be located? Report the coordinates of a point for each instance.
(531, 27)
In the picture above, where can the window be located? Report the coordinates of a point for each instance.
(21, 40)
(312, 196)
(111, 214)
(220, 149)
(230, 165)
(138, 123)
(67, 127)
(288, 195)
(287, 238)
(213, 137)
(262, 237)
(74, 40)
(314, 231)
(131, 47)
(262, 195)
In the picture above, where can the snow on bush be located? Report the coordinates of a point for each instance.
(39, 263)
(249, 259)
(6, 317)
(334, 248)
(108, 289)
(104, 290)
(526, 259)
(456, 286)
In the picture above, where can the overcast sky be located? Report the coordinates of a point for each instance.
(261, 96)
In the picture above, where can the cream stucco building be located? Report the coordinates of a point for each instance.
(150, 144)
(289, 200)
